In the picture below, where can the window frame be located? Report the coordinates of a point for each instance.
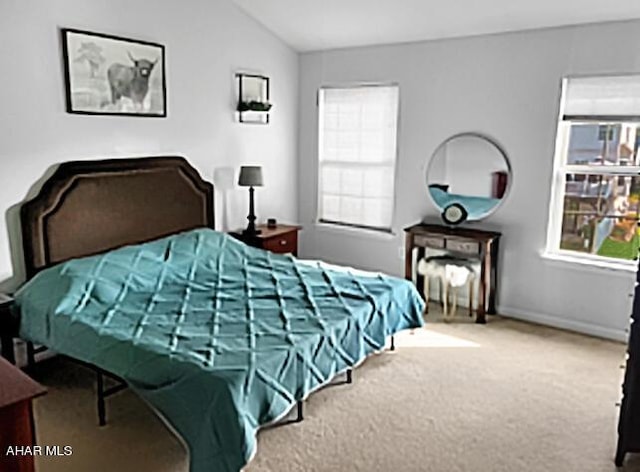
(378, 230)
(558, 187)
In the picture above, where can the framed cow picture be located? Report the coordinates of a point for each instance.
(110, 75)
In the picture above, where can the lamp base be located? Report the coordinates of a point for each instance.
(251, 227)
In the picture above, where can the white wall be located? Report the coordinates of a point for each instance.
(506, 86)
(206, 42)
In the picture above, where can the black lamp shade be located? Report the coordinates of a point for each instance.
(250, 176)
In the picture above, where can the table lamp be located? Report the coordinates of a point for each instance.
(250, 176)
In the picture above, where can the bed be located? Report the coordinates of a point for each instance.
(127, 274)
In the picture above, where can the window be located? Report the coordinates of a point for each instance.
(357, 155)
(605, 133)
(596, 186)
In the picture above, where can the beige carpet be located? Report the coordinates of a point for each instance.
(507, 396)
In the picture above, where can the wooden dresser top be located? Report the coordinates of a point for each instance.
(266, 232)
(468, 233)
(16, 386)
(277, 231)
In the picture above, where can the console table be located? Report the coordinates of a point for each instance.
(464, 242)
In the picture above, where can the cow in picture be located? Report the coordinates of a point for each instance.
(131, 81)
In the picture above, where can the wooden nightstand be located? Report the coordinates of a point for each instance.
(8, 328)
(16, 417)
(282, 239)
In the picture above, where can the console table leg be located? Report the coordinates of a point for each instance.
(485, 282)
(493, 276)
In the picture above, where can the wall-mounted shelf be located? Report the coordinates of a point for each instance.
(253, 98)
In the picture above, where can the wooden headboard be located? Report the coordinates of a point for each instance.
(88, 207)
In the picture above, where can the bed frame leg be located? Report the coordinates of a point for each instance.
(393, 343)
(300, 416)
(102, 415)
(8, 352)
(349, 376)
(31, 355)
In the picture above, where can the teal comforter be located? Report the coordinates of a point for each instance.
(218, 337)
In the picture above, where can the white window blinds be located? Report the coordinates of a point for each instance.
(357, 155)
(613, 97)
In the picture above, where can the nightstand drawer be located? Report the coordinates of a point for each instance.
(283, 243)
(467, 247)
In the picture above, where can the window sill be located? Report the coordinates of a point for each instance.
(355, 231)
(622, 267)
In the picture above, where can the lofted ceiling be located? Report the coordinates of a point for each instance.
(309, 25)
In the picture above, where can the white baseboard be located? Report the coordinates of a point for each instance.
(563, 323)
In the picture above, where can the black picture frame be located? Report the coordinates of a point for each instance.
(96, 95)
(255, 116)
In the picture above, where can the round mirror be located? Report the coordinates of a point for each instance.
(469, 171)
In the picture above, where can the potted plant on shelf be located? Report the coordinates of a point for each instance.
(254, 105)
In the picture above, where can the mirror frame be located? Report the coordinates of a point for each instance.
(498, 147)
